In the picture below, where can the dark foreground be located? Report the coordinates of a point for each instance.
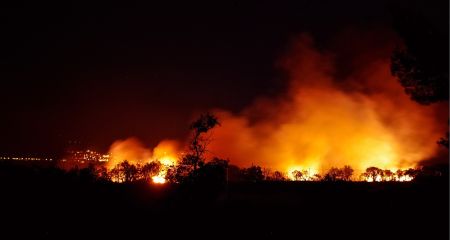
(57, 207)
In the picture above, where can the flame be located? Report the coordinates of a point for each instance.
(166, 154)
(395, 177)
(132, 150)
(324, 120)
(159, 179)
(308, 173)
(336, 111)
(406, 178)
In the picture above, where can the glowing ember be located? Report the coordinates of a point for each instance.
(158, 179)
(405, 178)
(378, 175)
(166, 161)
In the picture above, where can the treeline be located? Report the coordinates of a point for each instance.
(193, 167)
(220, 171)
(215, 172)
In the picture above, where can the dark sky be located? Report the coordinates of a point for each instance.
(96, 73)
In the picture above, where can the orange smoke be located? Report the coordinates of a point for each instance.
(324, 120)
(132, 150)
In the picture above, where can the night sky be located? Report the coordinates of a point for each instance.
(97, 73)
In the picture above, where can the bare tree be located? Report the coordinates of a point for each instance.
(199, 142)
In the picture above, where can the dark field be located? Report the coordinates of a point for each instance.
(51, 205)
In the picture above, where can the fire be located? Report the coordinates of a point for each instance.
(396, 175)
(298, 173)
(336, 111)
(132, 150)
(159, 179)
(325, 119)
(166, 154)
(405, 178)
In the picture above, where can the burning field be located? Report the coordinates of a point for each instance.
(326, 118)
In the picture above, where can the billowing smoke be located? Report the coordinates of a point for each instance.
(326, 118)
(362, 118)
(135, 152)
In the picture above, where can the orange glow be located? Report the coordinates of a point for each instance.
(159, 179)
(130, 149)
(166, 152)
(324, 119)
(395, 177)
(308, 173)
(362, 119)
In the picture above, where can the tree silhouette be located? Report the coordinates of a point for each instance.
(339, 174)
(373, 173)
(253, 174)
(150, 169)
(199, 142)
(421, 65)
(267, 173)
(129, 171)
(412, 172)
(278, 176)
(347, 173)
(235, 174)
(213, 172)
(388, 175)
(399, 174)
(87, 174)
(116, 174)
(317, 177)
(334, 174)
(298, 175)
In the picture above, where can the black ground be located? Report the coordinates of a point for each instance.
(50, 205)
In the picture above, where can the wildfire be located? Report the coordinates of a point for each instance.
(298, 173)
(166, 162)
(166, 153)
(361, 118)
(159, 179)
(379, 178)
(378, 175)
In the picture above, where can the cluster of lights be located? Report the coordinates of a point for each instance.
(26, 158)
(88, 156)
